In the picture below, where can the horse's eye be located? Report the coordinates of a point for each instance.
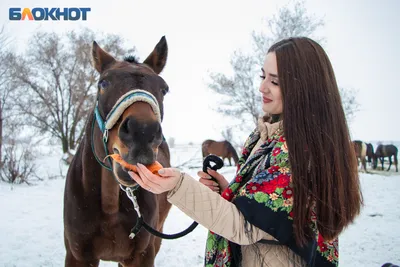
(103, 84)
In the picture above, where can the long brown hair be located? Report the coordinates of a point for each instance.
(324, 166)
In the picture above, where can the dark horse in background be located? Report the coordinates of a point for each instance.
(370, 153)
(383, 151)
(361, 153)
(223, 149)
(98, 215)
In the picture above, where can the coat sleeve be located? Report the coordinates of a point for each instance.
(215, 213)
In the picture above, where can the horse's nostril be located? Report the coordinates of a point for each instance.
(151, 139)
(125, 126)
(116, 151)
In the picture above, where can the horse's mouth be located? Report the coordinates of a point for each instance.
(121, 173)
(145, 157)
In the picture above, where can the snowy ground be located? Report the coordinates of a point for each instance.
(31, 228)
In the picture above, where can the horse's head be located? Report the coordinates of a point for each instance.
(130, 105)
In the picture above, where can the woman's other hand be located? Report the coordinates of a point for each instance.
(218, 186)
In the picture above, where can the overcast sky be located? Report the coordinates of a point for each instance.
(362, 41)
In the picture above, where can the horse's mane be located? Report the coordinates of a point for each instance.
(131, 59)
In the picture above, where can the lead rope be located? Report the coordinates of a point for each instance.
(130, 193)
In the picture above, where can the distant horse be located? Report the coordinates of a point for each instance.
(98, 214)
(223, 149)
(383, 151)
(370, 153)
(361, 152)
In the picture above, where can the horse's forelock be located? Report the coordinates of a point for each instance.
(131, 59)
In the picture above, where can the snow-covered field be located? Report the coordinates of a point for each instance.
(31, 228)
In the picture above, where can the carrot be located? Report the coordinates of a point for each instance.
(154, 167)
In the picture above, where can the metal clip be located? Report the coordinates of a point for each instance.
(132, 236)
(105, 136)
(132, 197)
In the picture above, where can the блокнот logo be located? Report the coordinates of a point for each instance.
(54, 13)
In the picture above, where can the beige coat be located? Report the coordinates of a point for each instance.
(222, 217)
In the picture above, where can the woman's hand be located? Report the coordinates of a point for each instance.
(154, 183)
(205, 179)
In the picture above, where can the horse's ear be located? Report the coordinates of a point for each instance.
(101, 59)
(157, 59)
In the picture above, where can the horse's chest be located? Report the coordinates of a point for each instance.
(112, 240)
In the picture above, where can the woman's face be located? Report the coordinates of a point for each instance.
(269, 88)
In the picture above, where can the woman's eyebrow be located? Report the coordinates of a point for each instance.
(270, 74)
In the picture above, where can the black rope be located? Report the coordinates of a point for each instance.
(138, 226)
(141, 223)
(172, 236)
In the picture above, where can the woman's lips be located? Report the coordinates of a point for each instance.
(266, 100)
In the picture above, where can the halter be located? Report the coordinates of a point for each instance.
(136, 95)
(118, 109)
(121, 105)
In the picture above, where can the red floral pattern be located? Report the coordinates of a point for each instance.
(274, 189)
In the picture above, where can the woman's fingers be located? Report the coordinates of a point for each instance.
(168, 172)
(204, 175)
(148, 177)
(137, 179)
(215, 174)
(208, 182)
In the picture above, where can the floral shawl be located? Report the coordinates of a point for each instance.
(262, 190)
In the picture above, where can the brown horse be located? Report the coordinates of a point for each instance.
(361, 153)
(98, 215)
(383, 151)
(223, 149)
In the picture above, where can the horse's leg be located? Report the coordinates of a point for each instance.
(390, 163)
(144, 259)
(395, 162)
(230, 164)
(382, 159)
(364, 164)
(70, 261)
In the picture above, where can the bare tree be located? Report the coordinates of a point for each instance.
(349, 101)
(19, 160)
(227, 134)
(7, 87)
(241, 98)
(59, 81)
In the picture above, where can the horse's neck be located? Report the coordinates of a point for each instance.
(109, 193)
(96, 176)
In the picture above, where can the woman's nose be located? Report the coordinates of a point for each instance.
(263, 87)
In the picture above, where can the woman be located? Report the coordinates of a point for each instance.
(297, 185)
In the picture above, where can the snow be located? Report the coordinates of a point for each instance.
(32, 228)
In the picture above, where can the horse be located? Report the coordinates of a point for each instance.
(361, 152)
(223, 149)
(126, 119)
(370, 152)
(383, 151)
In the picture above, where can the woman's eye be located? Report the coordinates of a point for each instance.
(262, 77)
(274, 82)
(103, 84)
